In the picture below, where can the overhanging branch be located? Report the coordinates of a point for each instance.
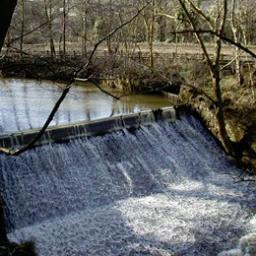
(68, 87)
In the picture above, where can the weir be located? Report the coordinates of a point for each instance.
(161, 189)
(89, 128)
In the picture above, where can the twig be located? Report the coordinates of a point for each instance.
(229, 63)
(200, 40)
(202, 14)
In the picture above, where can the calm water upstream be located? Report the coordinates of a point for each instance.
(25, 104)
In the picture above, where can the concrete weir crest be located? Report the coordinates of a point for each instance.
(88, 128)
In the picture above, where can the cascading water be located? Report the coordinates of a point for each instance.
(166, 189)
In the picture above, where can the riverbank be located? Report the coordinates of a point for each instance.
(239, 113)
(112, 71)
(54, 69)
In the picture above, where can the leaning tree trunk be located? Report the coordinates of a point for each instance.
(6, 11)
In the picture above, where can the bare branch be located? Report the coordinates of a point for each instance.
(202, 14)
(40, 25)
(67, 89)
(110, 34)
(229, 63)
(165, 15)
(210, 64)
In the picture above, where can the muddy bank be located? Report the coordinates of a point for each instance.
(111, 71)
(55, 69)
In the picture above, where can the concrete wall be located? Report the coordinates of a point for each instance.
(91, 128)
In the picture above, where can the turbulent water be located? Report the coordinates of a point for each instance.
(166, 189)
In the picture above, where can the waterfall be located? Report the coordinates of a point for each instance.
(162, 189)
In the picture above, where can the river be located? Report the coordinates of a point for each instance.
(25, 104)
(166, 189)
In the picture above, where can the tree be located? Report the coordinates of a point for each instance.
(48, 7)
(22, 26)
(85, 12)
(83, 67)
(235, 31)
(6, 11)
(149, 16)
(217, 25)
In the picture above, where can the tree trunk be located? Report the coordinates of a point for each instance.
(236, 39)
(220, 114)
(48, 14)
(22, 26)
(151, 36)
(53, 53)
(64, 27)
(84, 32)
(6, 11)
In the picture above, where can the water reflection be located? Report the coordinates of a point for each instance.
(25, 104)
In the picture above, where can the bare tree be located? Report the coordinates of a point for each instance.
(69, 85)
(64, 26)
(235, 31)
(85, 12)
(149, 16)
(48, 7)
(218, 26)
(22, 26)
(6, 11)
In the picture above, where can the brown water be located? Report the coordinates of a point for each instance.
(25, 104)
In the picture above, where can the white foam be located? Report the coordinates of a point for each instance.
(161, 190)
